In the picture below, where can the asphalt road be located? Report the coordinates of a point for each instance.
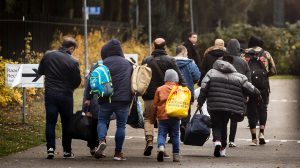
(282, 149)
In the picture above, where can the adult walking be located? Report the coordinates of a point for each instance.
(159, 62)
(191, 45)
(262, 67)
(191, 74)
(62, 77)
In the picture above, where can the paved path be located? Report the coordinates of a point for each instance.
(282, 149)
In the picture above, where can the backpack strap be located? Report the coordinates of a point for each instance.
(161, 75)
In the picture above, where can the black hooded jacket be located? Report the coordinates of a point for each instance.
(233, 48)
(164, 63)
(192, 52)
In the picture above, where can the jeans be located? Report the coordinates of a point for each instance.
(164, 126)
(219, 121)
(121, 111)
(58, 103)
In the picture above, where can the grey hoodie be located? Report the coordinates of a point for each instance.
(224, 89)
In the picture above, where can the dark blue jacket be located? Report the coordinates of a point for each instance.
(120, 71)
(189, 70)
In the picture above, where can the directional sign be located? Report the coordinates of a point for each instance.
(132, 56)
(94, 10)
(23, 75)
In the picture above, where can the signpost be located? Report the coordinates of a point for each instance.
(25, 76)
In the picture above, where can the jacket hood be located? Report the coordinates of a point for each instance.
(255, 42)
(182, 61)
(111, 48)
(158, 52)
(215, 49)
(233, 47)
(223, 66)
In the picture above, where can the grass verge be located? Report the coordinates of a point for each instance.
(16, 136)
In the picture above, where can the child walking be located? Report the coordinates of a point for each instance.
(166, 124)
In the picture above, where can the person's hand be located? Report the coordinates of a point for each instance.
(247, 99)
(88, 114)
(87, 102)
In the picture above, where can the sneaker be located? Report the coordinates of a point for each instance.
(223, 152)
(119, 156)
(148, 148)
(93, 151)
(232, 145)
(176, 157)
(166, 156)
(100, 149)
(254, 142)
(217, 148)
(50, 153)
(261, 139)
(160, 154)
(68, 155)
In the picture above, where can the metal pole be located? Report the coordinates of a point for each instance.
(149, 19)
(192, 17)
(24, 105)
(85, 17)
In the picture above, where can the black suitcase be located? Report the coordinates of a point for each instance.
(80, 127)
(198, 130)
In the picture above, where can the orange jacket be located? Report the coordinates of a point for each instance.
(159, 103)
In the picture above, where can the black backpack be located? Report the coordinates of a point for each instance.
(259, 74)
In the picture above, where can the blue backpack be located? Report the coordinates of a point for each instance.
(100, 81)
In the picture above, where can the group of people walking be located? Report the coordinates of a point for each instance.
(223, 73)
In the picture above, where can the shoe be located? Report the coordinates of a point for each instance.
(160, 154)
(148, 148)
(100, 149)
(119, 156)
(68, 155)
(50, 153)
(254, 142)
(223, 152)
(166, 156)
(93, 151)
(182, 133)
(261, 139)
(176, 157)
(231, 144)
(217, 148)
(170, 141)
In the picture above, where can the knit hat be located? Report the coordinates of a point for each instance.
(219, 42)
(171, 76)
(112, 48)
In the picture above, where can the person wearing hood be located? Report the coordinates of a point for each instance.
(191, 74)
(159, 62)
(224, 89)
(62, 77)
(119, 103)
(241, 66)
(257, 111)
(191, 45)
(211, 55)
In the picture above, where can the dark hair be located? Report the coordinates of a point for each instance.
(255, 42)
(191, 34)
(226, 57)
(69, 42)
(160, 46)
(179, 49)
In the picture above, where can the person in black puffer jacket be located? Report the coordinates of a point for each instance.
(224, 89)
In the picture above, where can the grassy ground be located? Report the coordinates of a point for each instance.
(15, 136)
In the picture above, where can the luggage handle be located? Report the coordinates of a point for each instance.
(198, 109)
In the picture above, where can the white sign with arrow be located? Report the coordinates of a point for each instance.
(23, 75)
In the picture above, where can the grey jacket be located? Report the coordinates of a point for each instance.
(225, 89)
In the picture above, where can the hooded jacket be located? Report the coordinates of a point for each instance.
(233, 48)
(61, 70)
(164, 62)
(189, 70)
(120, 71)
(224, 89)
(210, 56)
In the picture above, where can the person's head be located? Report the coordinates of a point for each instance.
(171, 76)
(181, 51)
(226, 57)
(233, 47)
(255, 42)
(112, 48)
(69, 44)
(193, 37)
(219, 43)
(159, 43)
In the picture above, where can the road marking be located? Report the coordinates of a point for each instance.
(284, 100)
(283, 140)
(298, 142)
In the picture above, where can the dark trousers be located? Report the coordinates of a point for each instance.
(257, 111)
(186, 120)
(93, 140)
(58, 103)
(219, 121)
(232, 132)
